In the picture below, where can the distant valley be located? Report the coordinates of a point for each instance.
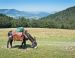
(16, 13)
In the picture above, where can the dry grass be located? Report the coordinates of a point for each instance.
(52, 43)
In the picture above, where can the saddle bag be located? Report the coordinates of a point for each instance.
(18, 36)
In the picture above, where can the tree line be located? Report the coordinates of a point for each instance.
(64, 20)
(10, 22)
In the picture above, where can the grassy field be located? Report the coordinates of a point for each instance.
(52, 43)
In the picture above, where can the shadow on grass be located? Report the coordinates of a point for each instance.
(23, 47)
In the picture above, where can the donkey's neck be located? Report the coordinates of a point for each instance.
(30, 37)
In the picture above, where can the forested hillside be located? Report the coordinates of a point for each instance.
(7, 22)
(64, 19)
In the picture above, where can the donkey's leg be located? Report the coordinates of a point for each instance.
(8, 43)
(24, 42)
(11, 43)
(10, 39)
(21, 44)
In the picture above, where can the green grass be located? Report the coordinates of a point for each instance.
(52, 43)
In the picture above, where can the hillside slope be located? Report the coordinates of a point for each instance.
(62, 19)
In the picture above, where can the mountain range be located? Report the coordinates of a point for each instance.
(17, 13)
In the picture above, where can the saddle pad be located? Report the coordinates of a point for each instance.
(18, 36)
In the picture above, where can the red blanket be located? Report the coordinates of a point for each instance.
(18, 36)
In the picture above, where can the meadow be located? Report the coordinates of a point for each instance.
(52, 43)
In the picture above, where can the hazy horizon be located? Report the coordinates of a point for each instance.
(37, 5)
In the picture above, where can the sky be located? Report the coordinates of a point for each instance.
(37, 5)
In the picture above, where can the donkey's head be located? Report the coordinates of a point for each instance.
(34, 43)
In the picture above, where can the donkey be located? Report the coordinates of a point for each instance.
(26, 36)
